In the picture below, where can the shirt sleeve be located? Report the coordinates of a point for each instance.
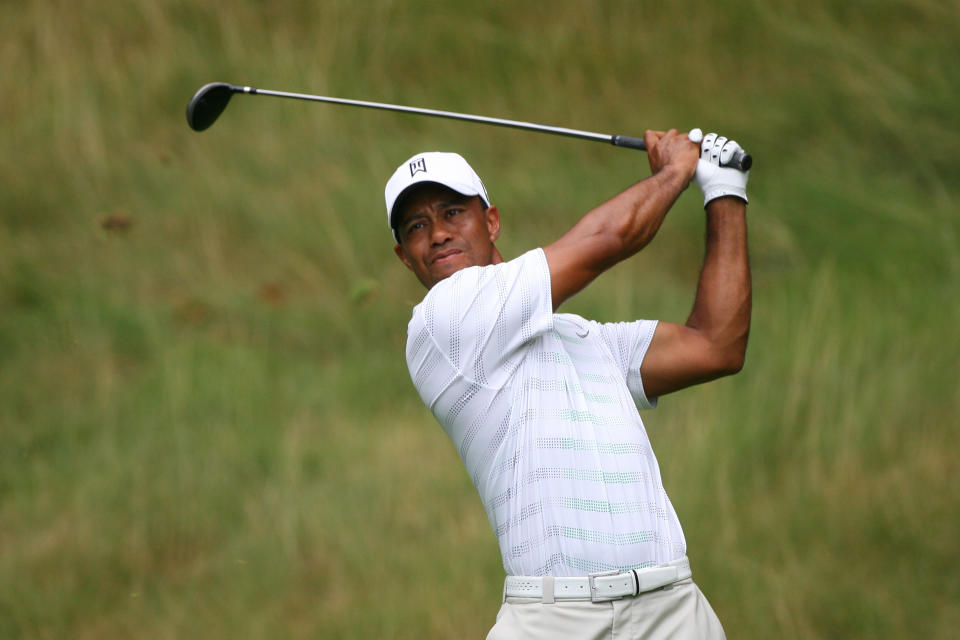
(628, 343)
(480, 317)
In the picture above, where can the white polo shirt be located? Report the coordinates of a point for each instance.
(542, 408)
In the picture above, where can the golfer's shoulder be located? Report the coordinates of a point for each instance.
(472, 282)
(480, 293)
(529, 269)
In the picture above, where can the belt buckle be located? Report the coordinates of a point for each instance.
(591, 577)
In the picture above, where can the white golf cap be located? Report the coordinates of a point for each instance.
(448, 169)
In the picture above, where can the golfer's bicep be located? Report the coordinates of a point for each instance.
(679, 357)
(575, 260)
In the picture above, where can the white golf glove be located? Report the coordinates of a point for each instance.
(713, 179)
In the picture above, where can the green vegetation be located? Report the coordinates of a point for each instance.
(206, 425)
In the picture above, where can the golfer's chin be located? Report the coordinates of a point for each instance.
(446, 267)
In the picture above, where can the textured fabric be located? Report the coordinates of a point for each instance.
(680, 612)
(542, 409)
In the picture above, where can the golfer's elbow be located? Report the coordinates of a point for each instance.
(726, 339)
(731, 358)
(734, 363)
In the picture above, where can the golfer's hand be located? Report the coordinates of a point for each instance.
(715, 180)
(673, 150)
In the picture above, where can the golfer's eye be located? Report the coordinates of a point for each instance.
(453, 212)
(416, 226)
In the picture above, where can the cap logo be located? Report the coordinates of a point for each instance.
(418, 165)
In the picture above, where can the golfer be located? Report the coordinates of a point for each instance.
(542, 406)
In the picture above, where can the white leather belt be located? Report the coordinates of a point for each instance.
(597, 587)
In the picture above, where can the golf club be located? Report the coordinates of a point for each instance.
(211, 99)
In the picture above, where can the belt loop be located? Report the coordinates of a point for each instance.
(547, 595)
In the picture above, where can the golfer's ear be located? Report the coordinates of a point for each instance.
(398, 249)
(493, 222)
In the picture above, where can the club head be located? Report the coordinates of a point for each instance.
(208, 103)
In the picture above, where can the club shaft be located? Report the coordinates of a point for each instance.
(741, 160)
(452, 115)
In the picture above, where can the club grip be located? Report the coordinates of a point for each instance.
(740, 160)
(630, 143)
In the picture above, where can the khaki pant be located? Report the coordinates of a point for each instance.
(678, 611)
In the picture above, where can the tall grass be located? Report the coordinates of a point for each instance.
(206, 425)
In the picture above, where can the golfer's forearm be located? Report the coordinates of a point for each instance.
(632, 218)
(612, 232)
(721, 310)
(626, 223)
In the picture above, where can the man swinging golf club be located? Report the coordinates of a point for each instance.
(542, 406)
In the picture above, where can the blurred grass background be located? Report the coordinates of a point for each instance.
(206, 425)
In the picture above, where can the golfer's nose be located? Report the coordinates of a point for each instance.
(440, 232)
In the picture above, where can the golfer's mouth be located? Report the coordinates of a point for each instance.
(445, 256)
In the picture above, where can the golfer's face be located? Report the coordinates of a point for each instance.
(442, 231)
